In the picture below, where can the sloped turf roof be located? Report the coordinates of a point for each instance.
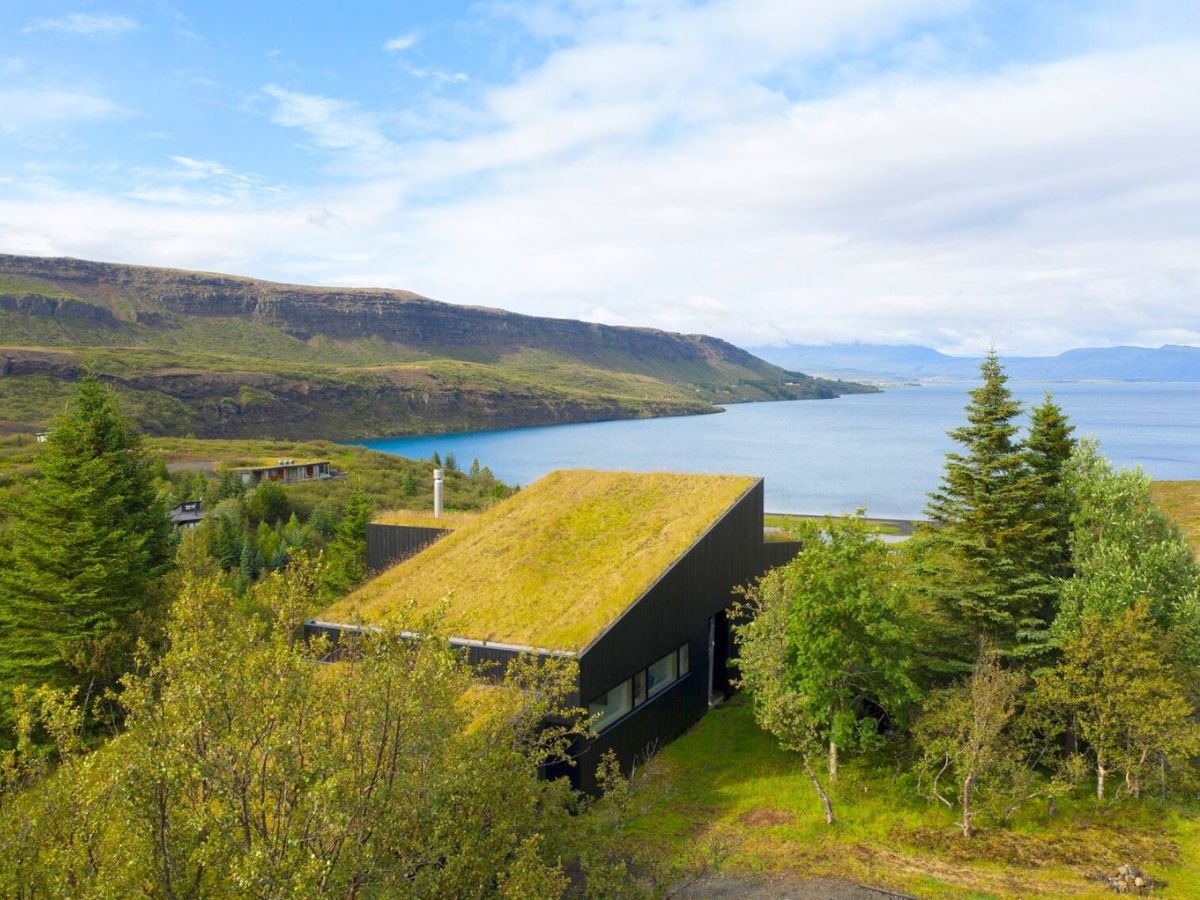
(553, 565)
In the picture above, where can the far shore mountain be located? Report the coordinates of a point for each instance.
(906, 362)
(224, 356)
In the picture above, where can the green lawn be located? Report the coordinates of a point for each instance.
(787, 520)
(724, 796)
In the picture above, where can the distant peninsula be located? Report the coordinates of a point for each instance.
(212, 355)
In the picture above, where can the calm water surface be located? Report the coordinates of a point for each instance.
(881, 451)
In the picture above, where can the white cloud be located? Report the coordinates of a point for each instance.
(699, 168)
(23, 109)
(332, 124)
(98, 24)
(401, 43)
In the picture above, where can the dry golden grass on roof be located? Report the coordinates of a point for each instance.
(553, 565)
(424, 518)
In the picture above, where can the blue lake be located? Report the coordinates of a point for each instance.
(879, 451)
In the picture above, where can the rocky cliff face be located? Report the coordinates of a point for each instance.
(400, 317)
(329, 364)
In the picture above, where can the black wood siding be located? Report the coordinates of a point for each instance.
(390, 544)
(675, 610)
(776, 553)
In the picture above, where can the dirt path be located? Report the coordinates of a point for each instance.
(779, 887)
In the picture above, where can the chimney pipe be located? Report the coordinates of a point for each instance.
(437, 493)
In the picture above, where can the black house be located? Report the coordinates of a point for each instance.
(632, 575)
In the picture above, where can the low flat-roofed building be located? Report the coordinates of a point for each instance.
(630, 574)
(187, 514)
(284, 471)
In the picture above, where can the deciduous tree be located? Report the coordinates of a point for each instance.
(966, 732)
(1124, 549)
(825, 646)
(1128, 702)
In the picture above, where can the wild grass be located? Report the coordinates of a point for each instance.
(380, 475)
(423, 518)
(555, 564)
(787, 520)
(1180, 501)
(724, 797)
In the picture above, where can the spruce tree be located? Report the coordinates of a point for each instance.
(1048, 450)
(91, 539)
(978, 563)
(346, 555)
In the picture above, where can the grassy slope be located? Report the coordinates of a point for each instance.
(1180, 500)
(276, 383)
(380, 475)
(556, 563)
(724, 795)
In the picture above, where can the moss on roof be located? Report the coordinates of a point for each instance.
(556, 563)
(274, 463)
(425, 518)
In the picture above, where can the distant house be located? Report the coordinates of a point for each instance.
(285, 471)
(187, 514)
(42, 436)
(632, 575)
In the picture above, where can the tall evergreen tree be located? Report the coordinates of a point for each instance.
(979, 562)
(1048, 450)
(346, 556)
(90, 542)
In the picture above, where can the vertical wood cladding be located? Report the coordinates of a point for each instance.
(390, 544)
(675, 610)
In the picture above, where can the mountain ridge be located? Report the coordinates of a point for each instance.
(211, 353)
(911, 362)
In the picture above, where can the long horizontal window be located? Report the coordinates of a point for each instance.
(633, 692)
(611, 706)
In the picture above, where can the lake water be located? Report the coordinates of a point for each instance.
(879, 451)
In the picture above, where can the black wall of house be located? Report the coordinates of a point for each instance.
(675, 610)
(776, 553)
(390, 544)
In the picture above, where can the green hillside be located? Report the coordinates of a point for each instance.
(222, 356)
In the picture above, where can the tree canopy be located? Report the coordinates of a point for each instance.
(90, 543)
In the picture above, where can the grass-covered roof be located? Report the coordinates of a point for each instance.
(555, 564)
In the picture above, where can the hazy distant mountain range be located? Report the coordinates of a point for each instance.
(904, 362)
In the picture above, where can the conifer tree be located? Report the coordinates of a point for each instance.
(346, 556)
(1048, 450)
(90, 543)
(979, 563)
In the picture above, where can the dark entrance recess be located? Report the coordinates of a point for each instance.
(718, 658)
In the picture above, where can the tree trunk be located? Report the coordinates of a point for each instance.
(1100, 773)
(833, 763)
(968, 786)
(821, 791)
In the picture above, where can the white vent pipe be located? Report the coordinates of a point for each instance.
(437, 493)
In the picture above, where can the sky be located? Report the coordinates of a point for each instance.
(949, 173)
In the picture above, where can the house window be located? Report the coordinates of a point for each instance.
(611, 706)
(662, 673)
(633, 692)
